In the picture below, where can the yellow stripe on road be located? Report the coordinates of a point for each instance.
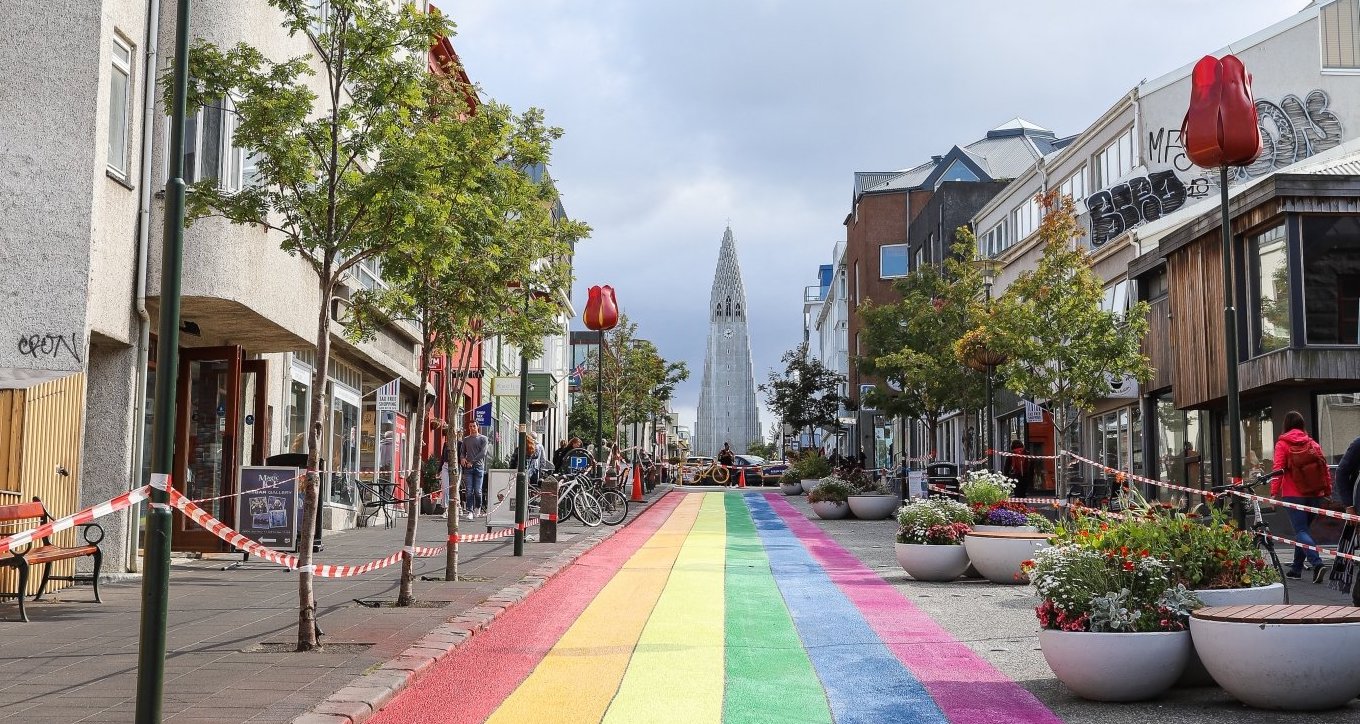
(677, 674)
(580, 675)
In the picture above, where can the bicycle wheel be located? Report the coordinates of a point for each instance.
(720, 475)
(586, 508)
(613, 507)
(564, 509)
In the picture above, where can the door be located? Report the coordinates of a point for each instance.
(207, 439)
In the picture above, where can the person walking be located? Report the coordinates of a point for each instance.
(1306, 480)
(559, 455)
(472, 454)
(728, 459)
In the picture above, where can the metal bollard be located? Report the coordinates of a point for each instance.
(547, 510)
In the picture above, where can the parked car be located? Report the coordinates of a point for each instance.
(755, 470)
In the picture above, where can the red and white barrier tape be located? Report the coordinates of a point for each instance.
(1348, 517)
(1316, 549)
(1121, 476)
(126, 500)
(493, 535)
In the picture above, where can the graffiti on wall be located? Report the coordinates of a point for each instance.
(1128, 204)
(1292, 129)
(49, 345)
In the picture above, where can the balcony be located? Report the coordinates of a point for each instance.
(813, 293)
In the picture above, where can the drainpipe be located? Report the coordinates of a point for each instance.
(153, 22)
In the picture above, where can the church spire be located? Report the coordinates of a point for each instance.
(727, 401)
(728, 298)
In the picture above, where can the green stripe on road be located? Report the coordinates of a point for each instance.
(769, 676)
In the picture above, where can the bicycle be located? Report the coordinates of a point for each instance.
(1259, 527)
(713, 470)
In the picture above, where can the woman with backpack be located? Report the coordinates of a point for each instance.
(1307, 481)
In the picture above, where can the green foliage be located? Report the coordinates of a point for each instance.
(638, 383)
(986, 488)
(910, 343)
(831, 490)
(919, 517)
(761, 448)
(1086, 590)
(1040, 523)
(807, 394)
(1062, 346)
(811, 467)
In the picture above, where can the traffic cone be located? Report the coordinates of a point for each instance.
(637, 483)
(741, 478)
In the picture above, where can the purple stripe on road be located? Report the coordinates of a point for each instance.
(968, 689)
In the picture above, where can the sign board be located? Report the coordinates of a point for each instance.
(1033, 413)
(263, 512)
(482, 415)
(505, 386)
(578, 463)
(916, 483)
(574, 383)
(500, 497)
(1125, 387)
(388, 396)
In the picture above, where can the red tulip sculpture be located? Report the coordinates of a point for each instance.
(602, 311)
(1220, 127)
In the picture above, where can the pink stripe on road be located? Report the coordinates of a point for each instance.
(967, 688)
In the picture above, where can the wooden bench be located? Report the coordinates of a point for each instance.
(1010, 534)
(24, 516)
(1280, 613)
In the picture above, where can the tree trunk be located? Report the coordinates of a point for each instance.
(405, 592)
(307, 639)
(455, 403)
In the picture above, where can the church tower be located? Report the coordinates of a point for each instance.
(727, 403)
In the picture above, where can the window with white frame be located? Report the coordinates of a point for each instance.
(1116, 298)
(1339, 26)
(1025, 219)
(1075, 185)
(892, 261)
(1116, 160)
(994, 241)
(209, 150)
(120, 101)
(321, 14)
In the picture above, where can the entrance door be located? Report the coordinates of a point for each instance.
(208, 422)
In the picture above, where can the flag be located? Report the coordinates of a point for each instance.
(388, 396)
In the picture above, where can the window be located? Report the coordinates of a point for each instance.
(1116, 160)
(1116, 297)
(1025, 219)
(1269, 290)
(1340, 30)
(209, 151)
(892, 261)
(994, 241)
(1338, 423)
(1182, 436)
(297, 409)
(1331, 273)
(1075, 186)
(321, 15)
(1153, 286)
(344, 444)
(1258, 442)
(120, 100)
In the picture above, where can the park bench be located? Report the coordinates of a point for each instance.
(1268, 655)
(24, 516)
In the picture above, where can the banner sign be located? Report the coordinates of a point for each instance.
(267, 508)
(482, 415)
(1033, 413)
(916, 483)
(389, 396)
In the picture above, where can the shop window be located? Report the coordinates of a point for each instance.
(1182, 438)
(1269, 290)
(1338, 423)
(344, 446)
(1258, 442)
(1331, 279)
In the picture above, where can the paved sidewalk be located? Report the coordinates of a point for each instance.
(77, 660)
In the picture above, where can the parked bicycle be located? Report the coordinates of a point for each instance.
(1259, 527)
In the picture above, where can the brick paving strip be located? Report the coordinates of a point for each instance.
(368, 693)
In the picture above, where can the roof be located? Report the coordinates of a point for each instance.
(1003, 153)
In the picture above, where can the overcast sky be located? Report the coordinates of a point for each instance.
(682, 115)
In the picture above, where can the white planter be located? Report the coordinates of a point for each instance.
(811, 485)
(998, 559)
(1295, 666)
(1195, 673)
(874, 507)
(1004, 528)
(931, 562)
(830, 510)
(1119, 666)
(791, 488)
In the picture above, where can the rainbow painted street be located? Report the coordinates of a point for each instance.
(716, 607)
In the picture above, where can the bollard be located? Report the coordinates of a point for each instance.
(547, 510)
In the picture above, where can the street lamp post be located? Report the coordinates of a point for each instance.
(521, 475)
(988, 360)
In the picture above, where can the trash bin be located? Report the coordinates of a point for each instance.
(943, 475)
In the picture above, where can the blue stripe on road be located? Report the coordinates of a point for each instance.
(864, 681)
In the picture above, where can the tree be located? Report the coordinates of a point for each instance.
(332, 181)
(761, 448)
(807, 394)
(1063, 347)
(910, 343)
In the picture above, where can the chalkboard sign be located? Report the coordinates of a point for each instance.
(267, 509)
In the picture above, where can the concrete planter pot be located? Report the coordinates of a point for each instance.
(811, 485)
(932, 562)
(1195, 673)
(1118, 666)
(1004, 528)
(998, 555)
(831, 510)
(873, 507)
(791, 488)
(1312, 666)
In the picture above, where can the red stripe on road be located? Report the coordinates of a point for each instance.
(469, 684)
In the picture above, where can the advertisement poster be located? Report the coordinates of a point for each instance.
(267, 509)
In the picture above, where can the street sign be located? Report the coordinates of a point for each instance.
(263, 513)
(482, 414)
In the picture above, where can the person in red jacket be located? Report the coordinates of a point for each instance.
(1287, 487)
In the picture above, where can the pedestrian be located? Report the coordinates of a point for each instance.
(1019, 469)
(1344, 489)
(728, 459)
(559, 455)
(1306, 481)
(472, 454)
(535, 461)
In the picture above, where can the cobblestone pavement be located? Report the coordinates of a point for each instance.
(998, 623)
(76, 661)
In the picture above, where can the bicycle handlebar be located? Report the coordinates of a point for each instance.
(1247, 484)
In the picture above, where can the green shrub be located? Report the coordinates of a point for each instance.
(831, 490)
